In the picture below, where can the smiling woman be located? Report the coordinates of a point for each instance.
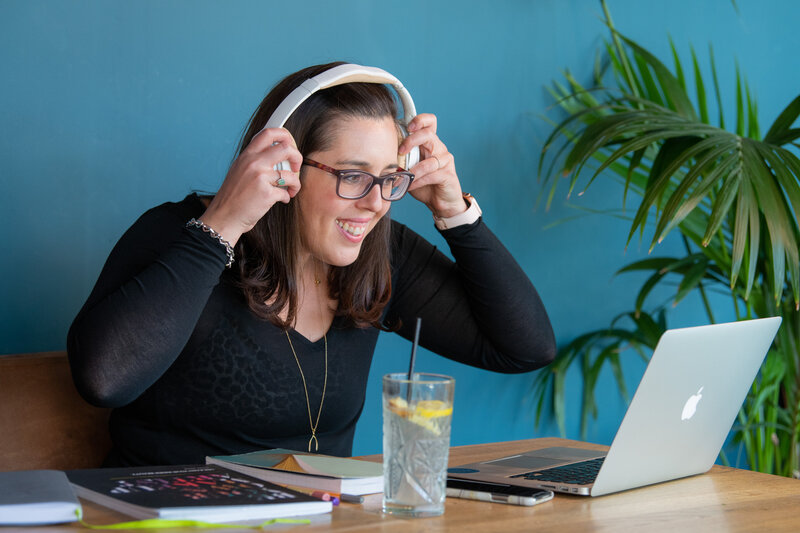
(334, 227)
(198, 359)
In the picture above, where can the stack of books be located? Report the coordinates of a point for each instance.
(230, 488)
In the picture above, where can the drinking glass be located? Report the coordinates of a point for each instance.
(416, 442)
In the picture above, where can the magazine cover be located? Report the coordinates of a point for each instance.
(190, 491)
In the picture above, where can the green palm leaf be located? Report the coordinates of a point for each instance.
(733, 196)
(694, 162)
(701, 89)
(777, 133)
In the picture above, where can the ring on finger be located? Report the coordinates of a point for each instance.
(281, 182)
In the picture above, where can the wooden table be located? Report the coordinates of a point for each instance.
(725, 499)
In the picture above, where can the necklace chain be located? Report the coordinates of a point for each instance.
(314, 425)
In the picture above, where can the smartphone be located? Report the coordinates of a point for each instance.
(497, 492)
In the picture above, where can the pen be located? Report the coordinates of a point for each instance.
(349, 498)
(321, 494)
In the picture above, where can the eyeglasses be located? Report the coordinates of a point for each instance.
(355, 184)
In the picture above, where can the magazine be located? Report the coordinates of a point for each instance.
(193, 492)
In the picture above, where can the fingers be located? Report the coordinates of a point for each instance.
(276, 145)
(269, 136)
(423, 120)
(278, 186)
(422, 133)
(260, 170)
(283, 196)
(288, 182)
(437, 166)
(433, 169)
(279, 152)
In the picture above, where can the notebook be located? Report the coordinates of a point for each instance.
(29, 497)
(676, 423)
(311, 470)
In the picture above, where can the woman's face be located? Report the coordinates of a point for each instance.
(333, 227)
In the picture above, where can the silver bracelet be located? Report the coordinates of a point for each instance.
(194, 223)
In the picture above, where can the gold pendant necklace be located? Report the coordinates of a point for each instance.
(311, 423)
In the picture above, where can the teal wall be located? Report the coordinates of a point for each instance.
(108, 108)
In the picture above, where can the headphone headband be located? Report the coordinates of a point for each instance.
(339, 75)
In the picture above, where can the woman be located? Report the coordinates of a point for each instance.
(198, 359)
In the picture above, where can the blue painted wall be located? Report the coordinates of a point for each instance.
(108, 108)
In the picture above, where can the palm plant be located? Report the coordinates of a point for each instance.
(732, 196)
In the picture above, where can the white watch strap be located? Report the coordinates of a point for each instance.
(469, 216)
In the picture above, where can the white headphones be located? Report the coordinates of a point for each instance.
(339, 75)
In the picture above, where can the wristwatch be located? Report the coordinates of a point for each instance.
(469, 216)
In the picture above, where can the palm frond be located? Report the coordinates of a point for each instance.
(733, 196)
(693, 162)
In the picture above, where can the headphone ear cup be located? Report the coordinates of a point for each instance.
(412, 157)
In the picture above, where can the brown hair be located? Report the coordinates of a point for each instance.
(267, 253)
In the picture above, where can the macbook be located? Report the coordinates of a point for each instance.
(676, 423)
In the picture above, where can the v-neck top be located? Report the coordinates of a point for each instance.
(167, 339)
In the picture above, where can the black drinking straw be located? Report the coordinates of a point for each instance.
(413, 357)
(414, 348)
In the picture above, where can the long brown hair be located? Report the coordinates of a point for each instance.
(267, 254)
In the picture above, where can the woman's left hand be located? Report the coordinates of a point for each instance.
(435, 180)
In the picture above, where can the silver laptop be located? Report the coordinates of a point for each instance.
(675, 426)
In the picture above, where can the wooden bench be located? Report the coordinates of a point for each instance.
(44, 423)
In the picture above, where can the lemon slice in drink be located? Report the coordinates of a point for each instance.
(433, 409)
(423, 413)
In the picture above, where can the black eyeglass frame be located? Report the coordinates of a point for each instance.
(376, 180)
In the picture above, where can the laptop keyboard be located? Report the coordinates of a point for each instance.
(582, 473)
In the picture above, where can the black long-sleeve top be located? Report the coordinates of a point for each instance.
(168, 340)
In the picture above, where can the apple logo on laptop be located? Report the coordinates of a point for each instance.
(690, 406)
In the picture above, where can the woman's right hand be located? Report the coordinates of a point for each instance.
(251, 187)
